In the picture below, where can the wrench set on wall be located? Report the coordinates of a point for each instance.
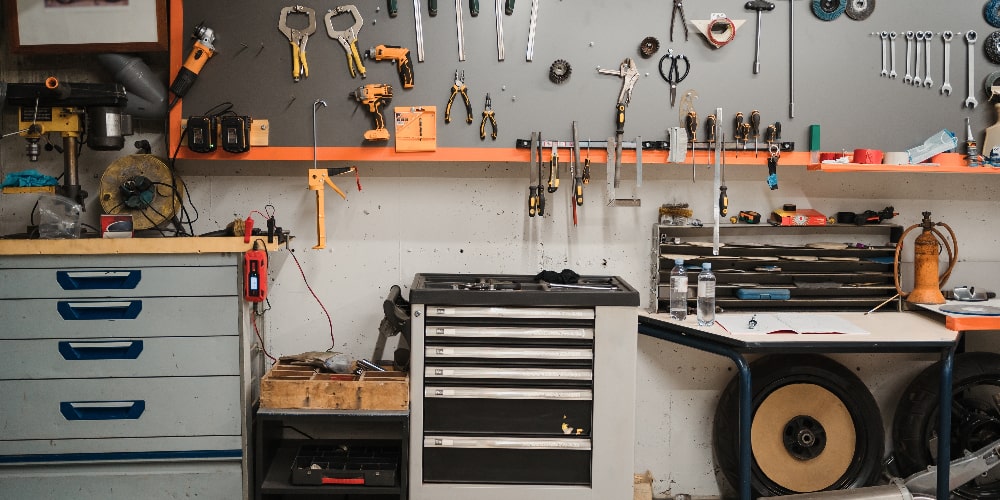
(918, 51)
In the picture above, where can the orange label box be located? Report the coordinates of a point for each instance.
(801, 217)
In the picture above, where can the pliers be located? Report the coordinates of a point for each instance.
(678, 7)
(488, 114)
(349, 37)
(298, 38)
(456, 89)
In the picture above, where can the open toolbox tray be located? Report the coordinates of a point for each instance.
(346, 464)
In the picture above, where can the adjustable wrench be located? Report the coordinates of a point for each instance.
(908, 78)
(946, 86)
(970, 40)
(885, 49)
(917, 81)
(892, 54)
(928, 35)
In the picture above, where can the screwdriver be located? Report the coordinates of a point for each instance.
(723, 196)
(710, 124)
(586, 165)
(738, 130)
(541, 192)
(532, 194)
(509, 7)
(692, 130)
(432, 7)
(393, 8)
(755, 129)
(474, 7)
(554, 169)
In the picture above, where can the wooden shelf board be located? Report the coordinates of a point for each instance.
(950, 163)
(99, 246)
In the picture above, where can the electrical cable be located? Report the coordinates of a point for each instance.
(260, 338)
(728, 31)
(333, 342)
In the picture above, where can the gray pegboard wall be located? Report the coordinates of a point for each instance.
(837, 64)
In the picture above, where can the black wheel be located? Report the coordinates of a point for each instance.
(815, 427)
(975, 419)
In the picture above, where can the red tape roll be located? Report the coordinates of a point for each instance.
(867, 156)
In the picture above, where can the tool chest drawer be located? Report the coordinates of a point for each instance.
(508, 410)
(118, 282)
(442, 374)
(510, 355)
(556, 461)
(133, 317)
(126, 357)
(516, 313)
(120, 408)
(204, 480)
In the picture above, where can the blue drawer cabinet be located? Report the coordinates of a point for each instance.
(129, 374)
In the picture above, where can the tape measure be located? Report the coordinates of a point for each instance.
(828, 10)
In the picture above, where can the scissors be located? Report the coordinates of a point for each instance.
(673, 76)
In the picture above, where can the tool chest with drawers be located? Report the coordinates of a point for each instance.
(122, 375)
(763, 267)
(521, 388)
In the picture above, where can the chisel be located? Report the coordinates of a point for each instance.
(541, 191)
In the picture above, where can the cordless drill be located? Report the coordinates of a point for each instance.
(375, 95)
(202, 50)
(399, 55)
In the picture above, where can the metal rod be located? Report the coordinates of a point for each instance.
(316, 105)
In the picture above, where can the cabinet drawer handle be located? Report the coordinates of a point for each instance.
(102, 410)
(128, 349)
(119, 309)
(98, 280)
(343, 480)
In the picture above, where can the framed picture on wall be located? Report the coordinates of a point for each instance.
(75, 26)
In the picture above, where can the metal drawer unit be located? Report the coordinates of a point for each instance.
(505, 393)
(132, 362)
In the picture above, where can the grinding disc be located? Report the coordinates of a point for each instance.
(992, 47)
(859, 10)
(971, 309)
(828, 10)
(767, 434)
(992, 13)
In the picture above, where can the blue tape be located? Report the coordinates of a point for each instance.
(828, 10)
(992, 13)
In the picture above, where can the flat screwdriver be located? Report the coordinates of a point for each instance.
(755, 129)
(710, 124)
(692, 130)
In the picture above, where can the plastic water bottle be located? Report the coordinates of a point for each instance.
(706, 295)
(678, 291)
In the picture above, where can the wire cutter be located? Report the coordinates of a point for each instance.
(678, 7)
(298, 38)
(456, 89)
(673, 75)
(488, 115)
(349, 37)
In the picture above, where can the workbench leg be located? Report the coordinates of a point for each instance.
(944, 424)
(746, 393)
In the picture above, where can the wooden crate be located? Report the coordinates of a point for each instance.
(290, 386)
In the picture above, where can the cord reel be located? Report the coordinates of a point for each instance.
(141, 185)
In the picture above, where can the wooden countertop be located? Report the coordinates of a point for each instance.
(98, 246)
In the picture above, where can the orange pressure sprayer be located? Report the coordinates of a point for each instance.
(926, 251)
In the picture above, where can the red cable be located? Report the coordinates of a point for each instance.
(333, 342)
(253, 321)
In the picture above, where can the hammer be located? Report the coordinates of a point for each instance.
(759, 6)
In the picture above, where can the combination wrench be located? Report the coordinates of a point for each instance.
(892, 54)
(917, 81)
(946, 86)
(908, 78)
(885, 49)
(970, 40)
(928, 35)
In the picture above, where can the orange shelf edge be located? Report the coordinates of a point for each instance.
(969, 323)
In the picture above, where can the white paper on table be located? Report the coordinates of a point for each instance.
(791, 323)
